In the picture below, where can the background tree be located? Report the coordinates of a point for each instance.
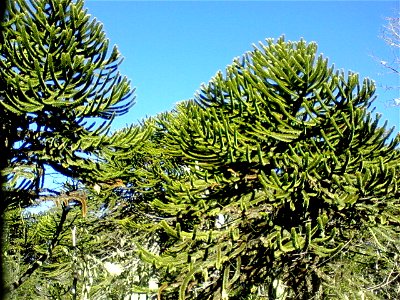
(60, 91)
(280, 167)
(391, 35)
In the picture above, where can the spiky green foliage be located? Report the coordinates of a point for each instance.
(266, 177)
(58, 78)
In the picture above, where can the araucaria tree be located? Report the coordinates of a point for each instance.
(259, 188)
(58, 76)
(278, 168)
(58, 79)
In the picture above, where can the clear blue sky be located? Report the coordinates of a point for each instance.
(170, 48)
